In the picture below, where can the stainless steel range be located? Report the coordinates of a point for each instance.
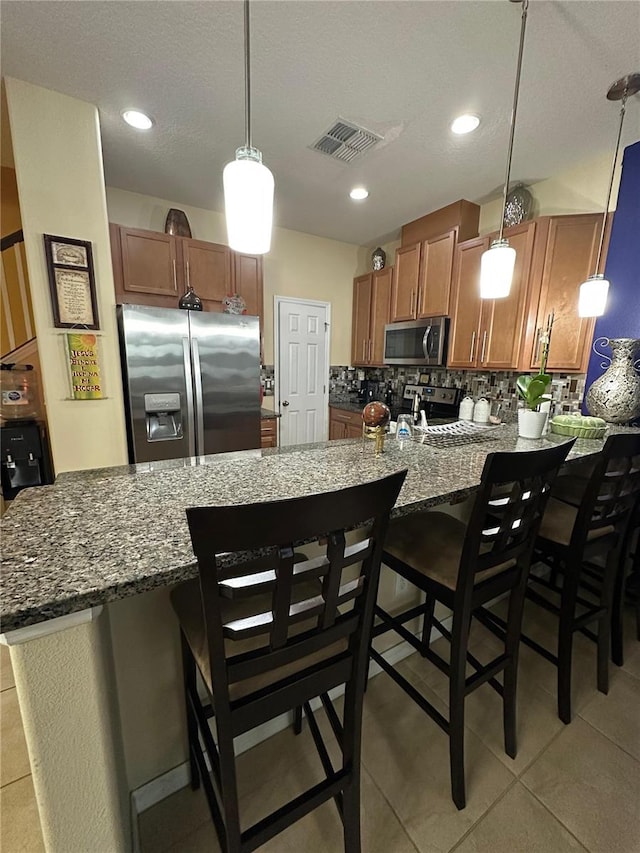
(440, 405)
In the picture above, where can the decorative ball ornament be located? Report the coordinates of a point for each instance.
(378, 259)
(376, 414)
(519, 206)
(233, 303)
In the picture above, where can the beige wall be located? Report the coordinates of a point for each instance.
(297, 265)
(58, 158)
(580, 189)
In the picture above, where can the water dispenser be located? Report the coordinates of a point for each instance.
(163, 416)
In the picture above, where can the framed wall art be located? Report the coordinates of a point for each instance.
(72, 282)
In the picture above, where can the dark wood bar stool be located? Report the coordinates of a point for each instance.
(464, 567)
(580, 540)
(268, 630)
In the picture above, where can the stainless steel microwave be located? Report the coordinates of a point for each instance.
(416, 342)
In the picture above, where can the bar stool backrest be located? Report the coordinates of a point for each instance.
(508, 509)
(612, 490)
(247, 552)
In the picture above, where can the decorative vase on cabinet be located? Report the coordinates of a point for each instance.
(615, 396)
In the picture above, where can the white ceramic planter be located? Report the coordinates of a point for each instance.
(531, 424)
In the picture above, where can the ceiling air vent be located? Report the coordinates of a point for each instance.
(345, 141)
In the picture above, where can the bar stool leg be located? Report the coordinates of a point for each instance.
(428, 622)
(190, 689)
(612, 572)
(297, 720)
(457, 677)
(565, 639)
(510, 682)
(351, 753)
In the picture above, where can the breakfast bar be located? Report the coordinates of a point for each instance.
(85, 604)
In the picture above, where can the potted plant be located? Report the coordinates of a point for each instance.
(533, 391)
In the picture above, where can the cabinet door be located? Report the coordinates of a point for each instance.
(362, 288)
(466, 305)
(207, 268)
(404, 298)
(353, 431)
(247, 281)
(571, 250)
(436, 266)
(504, 320)
(380, 308)
(337, 429)
(149, 266)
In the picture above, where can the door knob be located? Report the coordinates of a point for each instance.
(285, 402)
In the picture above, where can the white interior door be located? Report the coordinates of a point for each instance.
(302, 369)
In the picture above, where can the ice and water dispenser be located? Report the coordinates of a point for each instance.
(24, 456)
(163, 416)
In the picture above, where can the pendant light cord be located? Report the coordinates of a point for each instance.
(516, 92)
(247, 75)
(613, 171)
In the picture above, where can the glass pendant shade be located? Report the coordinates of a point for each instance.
(248, 202)
(593, 296)
(496, 270)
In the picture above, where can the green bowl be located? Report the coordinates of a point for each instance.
(578, 426)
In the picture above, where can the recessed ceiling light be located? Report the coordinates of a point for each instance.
(465, 124)
(136, 119)
(359, 193)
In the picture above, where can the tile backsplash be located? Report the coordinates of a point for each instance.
(567, 390)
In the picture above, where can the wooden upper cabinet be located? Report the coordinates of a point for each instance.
(371, 305)
(503, 323)
(362, 290)
(151, 268)
(207, 269)
(380, 307)
(569, 258)
(466, 305)
(149, 264)
(404, 298)
(436, 265)
(247, 281)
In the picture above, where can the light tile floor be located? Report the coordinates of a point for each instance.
(571, 788)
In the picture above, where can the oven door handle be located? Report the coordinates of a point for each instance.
(425, 342)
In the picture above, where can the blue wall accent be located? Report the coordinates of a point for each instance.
(622, 318)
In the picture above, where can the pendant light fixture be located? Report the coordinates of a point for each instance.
(593, 292)
(248, 184)
(498, 262)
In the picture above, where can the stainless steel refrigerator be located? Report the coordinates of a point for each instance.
(191, 382)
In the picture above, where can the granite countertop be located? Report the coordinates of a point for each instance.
(97, 536)
(268, 414)
(349, 405)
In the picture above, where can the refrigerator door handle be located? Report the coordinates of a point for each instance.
(197, 381)
(188, 380)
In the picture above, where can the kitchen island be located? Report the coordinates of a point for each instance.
(87, 566)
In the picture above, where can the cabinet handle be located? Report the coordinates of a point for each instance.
(473, 345)
(413, 301)
(175, 277)
(484, 343)
(188, 277)
(369, 352)
(364, 350)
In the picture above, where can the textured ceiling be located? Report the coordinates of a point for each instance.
(402, 69)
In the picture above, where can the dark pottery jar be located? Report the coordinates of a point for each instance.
(177, 223)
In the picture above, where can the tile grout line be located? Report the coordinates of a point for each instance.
(606, 736)
(476, 823)
(13, 781)
(393, 811)
(555, 817)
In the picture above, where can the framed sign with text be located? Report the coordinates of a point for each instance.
(72, 282)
